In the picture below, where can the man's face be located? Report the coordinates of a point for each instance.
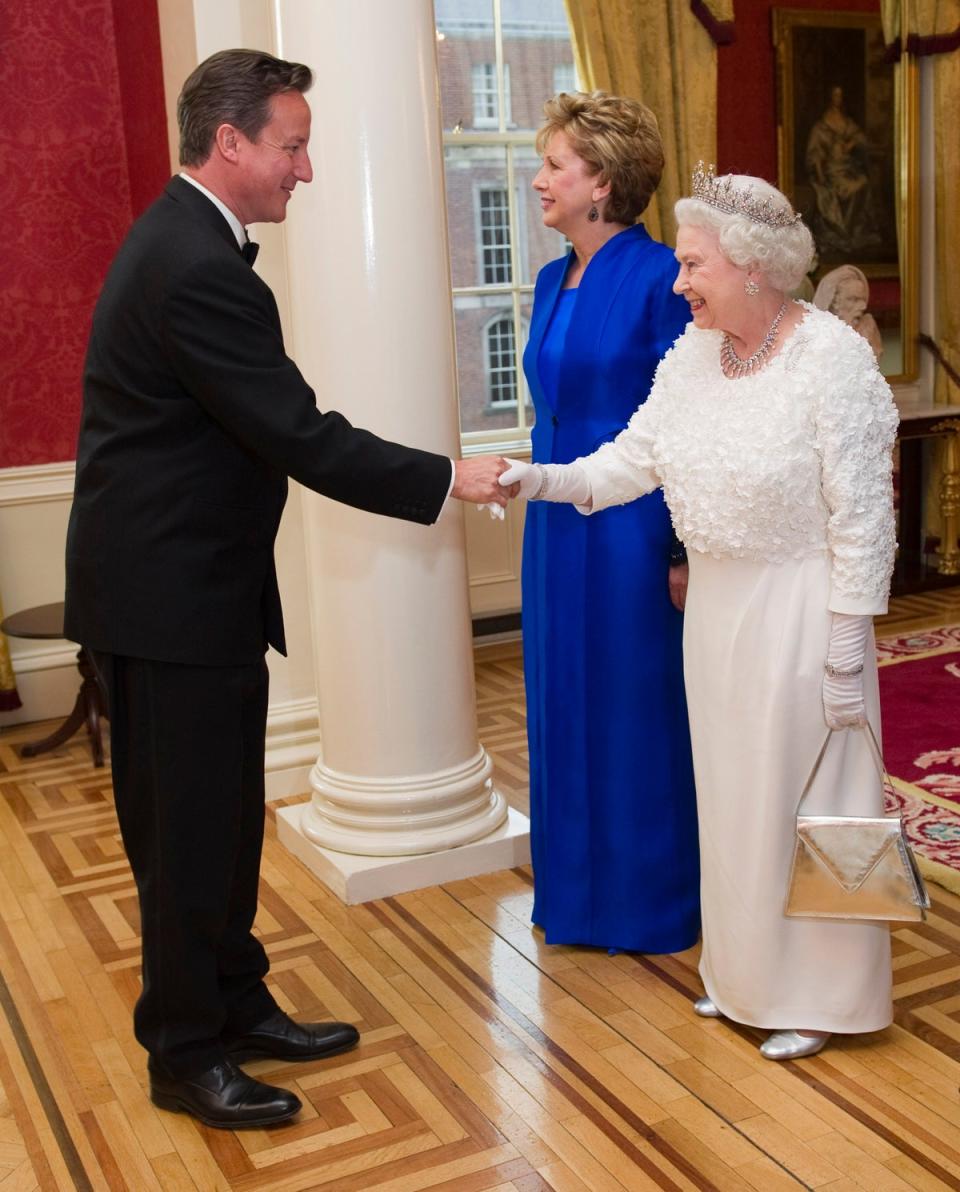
(272, 165)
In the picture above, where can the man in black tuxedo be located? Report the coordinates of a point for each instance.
(193, 418)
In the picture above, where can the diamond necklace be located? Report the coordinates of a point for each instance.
(733, 367)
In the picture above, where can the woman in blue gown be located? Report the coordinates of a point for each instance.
(612, 807)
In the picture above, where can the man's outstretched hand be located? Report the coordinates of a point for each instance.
(476, 479)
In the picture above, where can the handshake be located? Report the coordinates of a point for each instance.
(491, 480)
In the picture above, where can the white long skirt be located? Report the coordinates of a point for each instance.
(755, 641)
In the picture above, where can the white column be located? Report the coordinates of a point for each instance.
(401, 770)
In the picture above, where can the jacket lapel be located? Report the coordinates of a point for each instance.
(598, 291)
(546, 300)
(201, 208)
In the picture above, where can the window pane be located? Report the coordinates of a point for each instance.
(536, 40)
(564, 78)
(497, 237)
(486, 362)
(539, 244)
(477, 192)
(467, 52)
(486, 95)
(494, 222)
(501, 362)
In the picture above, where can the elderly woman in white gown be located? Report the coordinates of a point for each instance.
(770, 430)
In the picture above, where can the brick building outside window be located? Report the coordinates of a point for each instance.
(500, 60)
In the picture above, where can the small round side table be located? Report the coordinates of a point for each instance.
(45, 621)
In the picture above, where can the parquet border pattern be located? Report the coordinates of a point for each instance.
(487, 1060)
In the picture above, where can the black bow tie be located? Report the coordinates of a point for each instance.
(249, 251)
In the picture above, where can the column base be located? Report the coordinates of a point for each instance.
(405, 814)
(357, 879)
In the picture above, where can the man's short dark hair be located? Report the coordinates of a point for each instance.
(232, 87)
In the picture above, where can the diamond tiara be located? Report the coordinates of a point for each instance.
(723, 195)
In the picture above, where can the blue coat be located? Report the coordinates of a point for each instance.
(613, 815)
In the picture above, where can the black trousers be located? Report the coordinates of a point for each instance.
(187, 747)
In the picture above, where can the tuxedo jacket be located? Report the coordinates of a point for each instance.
(193, 418)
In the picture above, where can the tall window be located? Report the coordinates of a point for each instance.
(486, 95)
(501, 354)
(500, 60)
(565, 78)
(494, 224)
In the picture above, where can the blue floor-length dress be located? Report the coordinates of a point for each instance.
(612, 806)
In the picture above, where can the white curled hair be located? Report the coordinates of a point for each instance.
(783, 255)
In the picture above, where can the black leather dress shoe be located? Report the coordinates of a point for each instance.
(280, 1038)
(224, 1097)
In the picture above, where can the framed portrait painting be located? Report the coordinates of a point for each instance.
(843, 133)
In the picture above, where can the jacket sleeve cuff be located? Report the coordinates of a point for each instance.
(453, 478)
(857, 605)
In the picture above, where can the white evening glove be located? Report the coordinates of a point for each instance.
(549, 482)
(843, 681)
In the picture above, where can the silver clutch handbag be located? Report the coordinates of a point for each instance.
(853, 867)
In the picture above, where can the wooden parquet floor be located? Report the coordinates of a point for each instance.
(487, 1060)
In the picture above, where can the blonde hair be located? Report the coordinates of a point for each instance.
(782, 254)
(617, 138)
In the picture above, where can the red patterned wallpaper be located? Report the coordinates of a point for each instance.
(83, 150)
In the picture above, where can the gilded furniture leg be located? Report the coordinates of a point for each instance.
(949, 498)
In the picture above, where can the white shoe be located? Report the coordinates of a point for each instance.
(791, 1045)
(706, 1008)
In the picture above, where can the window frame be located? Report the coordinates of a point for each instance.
(479, 190)
(504, 135)
(520, 388)
(574, 81)
(516, 438)
(500, 94)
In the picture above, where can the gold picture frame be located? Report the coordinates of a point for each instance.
(847, 139)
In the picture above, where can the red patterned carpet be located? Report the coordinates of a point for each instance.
(920, 698)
